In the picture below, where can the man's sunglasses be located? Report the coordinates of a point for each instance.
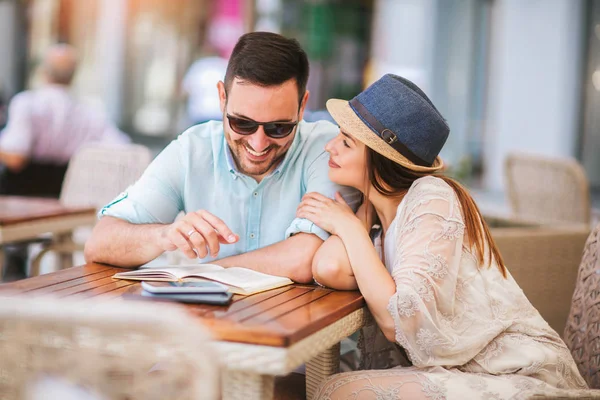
(275, 130)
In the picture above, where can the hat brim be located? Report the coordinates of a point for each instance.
(351, 124)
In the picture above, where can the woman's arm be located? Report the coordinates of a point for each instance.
(373, 279)
(330, 266)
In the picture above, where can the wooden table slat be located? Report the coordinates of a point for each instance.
(238, 303)
(132, 289)
(263, 306)
(302, 301)
(58, 277)
(85, 286)
(111, 287)
(15, 209)
(72, 282)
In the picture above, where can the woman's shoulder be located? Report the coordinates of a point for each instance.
(430, 186)
(424, 191)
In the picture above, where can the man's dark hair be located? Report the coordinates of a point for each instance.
(268, 59)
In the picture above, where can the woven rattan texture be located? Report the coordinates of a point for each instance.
(582, 333)
(125, 351)
(544, 262)
(98, 173)
(547, 190)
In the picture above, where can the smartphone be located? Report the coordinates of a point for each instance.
(223, 298)
(184, 287)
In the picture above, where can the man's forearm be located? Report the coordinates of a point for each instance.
(291, 258)
(120, 243)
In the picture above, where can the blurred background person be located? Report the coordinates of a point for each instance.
(200, 87)
(46, 126)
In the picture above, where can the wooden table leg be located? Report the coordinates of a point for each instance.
(238, 385)
(320, 368)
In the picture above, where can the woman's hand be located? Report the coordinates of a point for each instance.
(330, 215)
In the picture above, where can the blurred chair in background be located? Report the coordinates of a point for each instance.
(582, 333)
(547, 190)
(544, 262)
(99, 350)
(97, 173)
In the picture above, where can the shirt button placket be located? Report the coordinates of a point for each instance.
(254, 220)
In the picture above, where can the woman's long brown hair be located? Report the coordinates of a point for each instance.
(391, 179)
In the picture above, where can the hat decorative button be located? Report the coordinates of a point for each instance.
(388, 136)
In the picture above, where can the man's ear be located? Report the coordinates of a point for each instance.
(303, 104)
(222, 95)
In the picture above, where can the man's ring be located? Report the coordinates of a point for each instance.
(190, 233)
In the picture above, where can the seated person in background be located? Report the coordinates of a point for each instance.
(200, 87)
(46, 127)
(434, 281)
(238, 181)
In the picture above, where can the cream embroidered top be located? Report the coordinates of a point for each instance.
(448, 311)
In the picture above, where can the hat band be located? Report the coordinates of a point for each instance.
(385, 134)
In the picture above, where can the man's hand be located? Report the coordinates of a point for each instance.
(197, 234)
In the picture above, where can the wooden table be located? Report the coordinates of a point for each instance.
(258, 337)
(26, 218)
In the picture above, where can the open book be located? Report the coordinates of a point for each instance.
(240, 280)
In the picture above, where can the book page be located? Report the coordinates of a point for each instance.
(171, 273)
(244, 278)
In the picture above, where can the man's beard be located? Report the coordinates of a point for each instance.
(249, 167)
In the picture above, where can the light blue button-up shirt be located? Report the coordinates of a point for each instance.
(197, 171)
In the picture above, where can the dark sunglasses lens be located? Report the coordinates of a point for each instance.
(242, 126)
(278, 130)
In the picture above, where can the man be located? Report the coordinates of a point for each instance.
(239, 181)
(46, 127)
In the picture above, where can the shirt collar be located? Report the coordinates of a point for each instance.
(229, 157)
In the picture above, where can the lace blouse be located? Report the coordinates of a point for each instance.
(451, 312)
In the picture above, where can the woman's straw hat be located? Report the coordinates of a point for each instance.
(397, 120)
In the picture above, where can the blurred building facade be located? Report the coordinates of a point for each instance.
(507, 74)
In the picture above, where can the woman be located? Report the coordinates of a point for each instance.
(438, 287)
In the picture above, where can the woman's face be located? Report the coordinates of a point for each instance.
(347, 161)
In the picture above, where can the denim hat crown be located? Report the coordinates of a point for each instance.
(402, 116)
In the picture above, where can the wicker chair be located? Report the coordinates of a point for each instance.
(547, 190)
(106, 350)
(582, 333)
(99, 172)
(544, 262)
(95, 176)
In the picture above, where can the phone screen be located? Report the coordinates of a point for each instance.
(184, 287)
